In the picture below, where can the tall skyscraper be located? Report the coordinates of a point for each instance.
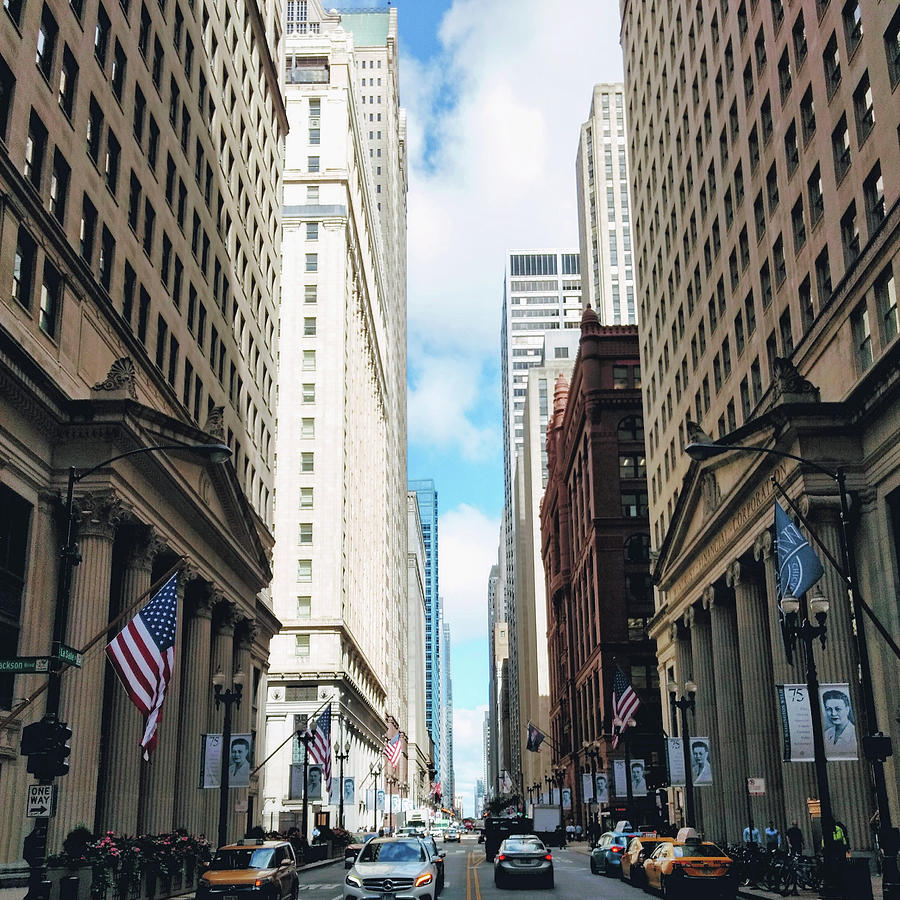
(448, 782)
(340, 583)
(541, 294)
(140, 261)
(604, 218)
(763, 141)
(491, 716)
(427, 497)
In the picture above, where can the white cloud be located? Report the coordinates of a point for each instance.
(493, 128)
(468, 756)
(443, 395)
(468, 549)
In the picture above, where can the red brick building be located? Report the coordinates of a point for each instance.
(595, 542)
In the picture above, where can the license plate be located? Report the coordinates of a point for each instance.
(231, 897)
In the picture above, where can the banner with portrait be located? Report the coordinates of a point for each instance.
(567, 798)
(349, 791)
(601, 782)
(675, 762)
(379, 800)
(701, 761)
(638, 778)
(314, 783)
(587, 788)
(240, 757)
(838, 723)
(620, 778)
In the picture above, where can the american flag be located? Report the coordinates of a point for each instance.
(143, 655)
(625, 704)
(320, 748)
(393, 749)
(436, 789)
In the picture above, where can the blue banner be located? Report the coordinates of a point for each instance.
(798, 566)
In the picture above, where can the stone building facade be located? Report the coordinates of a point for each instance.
(767, 232)
(595, 548)
(139, 258)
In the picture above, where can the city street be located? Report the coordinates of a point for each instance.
(469, 877)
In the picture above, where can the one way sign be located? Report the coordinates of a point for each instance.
(41, 801)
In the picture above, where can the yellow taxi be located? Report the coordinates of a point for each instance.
(264, 869)
(639, 850)
(692, 866)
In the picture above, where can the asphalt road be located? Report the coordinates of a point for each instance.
(469, 877)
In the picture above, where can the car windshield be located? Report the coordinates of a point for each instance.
(533, 846)
(392, 851)
(690, 850)
(648, 846)
(260, 858)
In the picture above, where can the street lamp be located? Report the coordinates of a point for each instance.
(593, 753)
(226, 697)
(342, 753)
(375, 771)
(308, 737)
(390, 781)
(35, 846)
(685, 703)
(559, 775)
(876, 746)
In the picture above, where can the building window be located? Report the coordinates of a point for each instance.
(886, 297)
(850, 234)
(307, 461)
(35, 150)
(862, 337)
(304, 570)
(799, 37)
(68, 81)
(631, 429)
(117, 78)
(832, 62)
(808, 115)
(787, 336)
(312, 262)
(815, 195)
(891, 49)
(304, 604)
(853, 30)
(306, 533)
(309, 393)
(94, 129)
(873, 191)
(312, 231)
(312, 164)
(101, 36)
(107, 258)
(309, 360)
(823, 277)
(309, 326)
(307, 428)
(632, 465)
(301, 646)
(310, 293)
(306, 498)
(620, 377)
(23, 268)
(51, 300)
(840, 146)
(863, 108)
(7, 89)
(634, 504)
(87, 229)
(46, 42)
(59, 187)
(785, 80)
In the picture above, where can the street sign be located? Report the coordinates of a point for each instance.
(756, 787)
(25, 664)
(41, 801)
(67, 654)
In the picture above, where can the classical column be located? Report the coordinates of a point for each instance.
(852, 793)
(731, 768)
(81, 698)
(798, 779)
(221, 660)
(760, 700)
(120, 779)
(195, 690)
(709, 799)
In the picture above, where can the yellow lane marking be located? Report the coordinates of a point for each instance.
(471, 866)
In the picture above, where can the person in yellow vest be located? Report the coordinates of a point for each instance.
(841, 837)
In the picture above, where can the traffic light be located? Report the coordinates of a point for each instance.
(46, 744)
(37, 738)
(58, 757)
(34, 849)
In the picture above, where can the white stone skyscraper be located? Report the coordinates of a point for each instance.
(604, 209)
(340, 584)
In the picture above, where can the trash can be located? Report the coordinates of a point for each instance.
(857, 879)
(68, 887)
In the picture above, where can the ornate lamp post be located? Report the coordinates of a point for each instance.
(35, 847)
(548, 780)
(226, 697)
(593, 754)
(306, 739)
(685, 703)
(390, 781)
(559, 775)
(375, 771)
(876, 746)
(341, 753)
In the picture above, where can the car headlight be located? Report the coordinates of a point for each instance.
(424, 879)
(352, 879)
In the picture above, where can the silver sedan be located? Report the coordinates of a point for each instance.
(392, 869)
(523, 858)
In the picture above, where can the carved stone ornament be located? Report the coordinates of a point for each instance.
(696, 435)
(709, 490)
(120, 378)
(215, 423)
(789, 384)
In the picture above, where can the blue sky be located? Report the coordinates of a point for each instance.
(495, 92)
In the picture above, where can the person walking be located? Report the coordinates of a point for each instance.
(795, 838)
(751, 837)
(773, 837)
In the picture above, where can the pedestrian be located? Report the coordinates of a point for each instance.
(773, 837)
(579, 831)
(751, 837)
(795, 838)
(841, 838)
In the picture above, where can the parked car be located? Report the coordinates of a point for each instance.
(635, 856)
(386, 867)
(438, 855)
(687, 867)
(606, 857)
(264, 868)
(523, 858)
(451, 834)
(357, 842)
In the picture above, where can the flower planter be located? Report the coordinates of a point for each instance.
(69, 884)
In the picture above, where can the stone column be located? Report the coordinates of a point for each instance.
(159, 805)
(760, 699)
(221, 660)
(81, 699)
(798, 779)
(731, 767)
(122, 774)
(709, 799)
(195, 692)
(852, 793)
